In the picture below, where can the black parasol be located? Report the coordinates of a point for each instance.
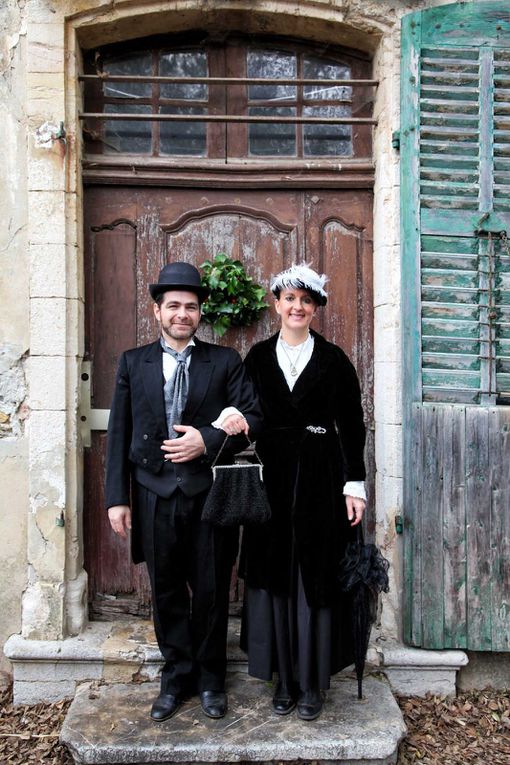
(363, 574)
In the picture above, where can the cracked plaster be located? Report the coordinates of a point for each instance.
(13, 391)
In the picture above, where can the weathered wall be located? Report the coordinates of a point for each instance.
(41, 292)
(14, 320)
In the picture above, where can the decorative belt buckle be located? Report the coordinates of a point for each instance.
(316, 429)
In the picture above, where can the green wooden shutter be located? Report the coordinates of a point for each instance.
(456, 153)
(455, 210)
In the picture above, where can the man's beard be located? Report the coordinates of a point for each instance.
(185, 332)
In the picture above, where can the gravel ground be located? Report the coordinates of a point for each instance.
(472, 729)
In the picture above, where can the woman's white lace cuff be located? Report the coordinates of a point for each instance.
(355, 489)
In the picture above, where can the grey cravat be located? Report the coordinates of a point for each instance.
(176, 388)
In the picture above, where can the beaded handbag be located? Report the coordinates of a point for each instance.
(237, 496)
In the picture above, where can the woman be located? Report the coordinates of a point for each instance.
(312, 450)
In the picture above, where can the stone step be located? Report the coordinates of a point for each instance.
(111, 724)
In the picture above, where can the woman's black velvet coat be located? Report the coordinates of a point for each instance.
(305, 472)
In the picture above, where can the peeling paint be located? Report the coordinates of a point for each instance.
(13, 391)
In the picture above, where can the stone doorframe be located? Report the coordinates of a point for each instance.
(55, 602)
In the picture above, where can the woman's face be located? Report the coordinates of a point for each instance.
(296, 308)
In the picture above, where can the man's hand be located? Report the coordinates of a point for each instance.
(187, 447)
(120, 519)
(355, 509)
(234, 424)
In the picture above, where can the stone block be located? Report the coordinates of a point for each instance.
(387, 381)
(47, 85)
(75, 325)
(389, 494)
(47, 382)
(43, 32)
(74, 219)
(46, 541)
(387, 325)
(45, 47)
(76, 596)
(416, 672)
(75, 273)
(42, 611)
(46, 168)
(57, 671)
(386, 275)
(349, 731)
(388, 449)
(485, 670)
(47, 465)
(386, 209)
(44, 58)
(410, 682)
(48, 277)
(33, 692)
(48, 318)
(46, 217)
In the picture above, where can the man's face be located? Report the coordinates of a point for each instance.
(179, 316)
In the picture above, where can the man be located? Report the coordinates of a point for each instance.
(170, 399)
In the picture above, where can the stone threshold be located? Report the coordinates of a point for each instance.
(126, 651)
(113, 652)
(111, 724)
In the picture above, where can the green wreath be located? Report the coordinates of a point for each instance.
(234, 300)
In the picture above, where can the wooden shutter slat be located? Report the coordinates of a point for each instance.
(446, 328)
(449, 344)
(450, 361)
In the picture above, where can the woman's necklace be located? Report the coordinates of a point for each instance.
(293, 364)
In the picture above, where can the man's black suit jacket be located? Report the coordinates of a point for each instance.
(137, 424)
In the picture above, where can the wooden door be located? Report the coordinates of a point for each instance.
(132, 232)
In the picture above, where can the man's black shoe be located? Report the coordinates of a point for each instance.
(164, 707)
(283, 700)
(309, 705)
(214, 703)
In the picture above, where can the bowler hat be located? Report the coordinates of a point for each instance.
(179, 276)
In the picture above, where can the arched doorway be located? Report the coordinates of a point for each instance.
(294, 183)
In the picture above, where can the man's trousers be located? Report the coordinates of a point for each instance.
(190, 565)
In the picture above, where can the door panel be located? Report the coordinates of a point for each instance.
(339, 243)
(110, 280)
(132, 232)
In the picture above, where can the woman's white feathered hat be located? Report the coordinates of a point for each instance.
(301, 277)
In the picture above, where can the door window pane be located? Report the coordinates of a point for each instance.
(127, 136)
(184, 64)
(327, 139)
(137, 64)
(183, 138)
(275, 139)
(269, 64)
(318, 69)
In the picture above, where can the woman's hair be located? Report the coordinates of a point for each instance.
(301, 277)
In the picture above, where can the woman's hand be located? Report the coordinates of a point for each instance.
(355, 509)
(234, 424)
